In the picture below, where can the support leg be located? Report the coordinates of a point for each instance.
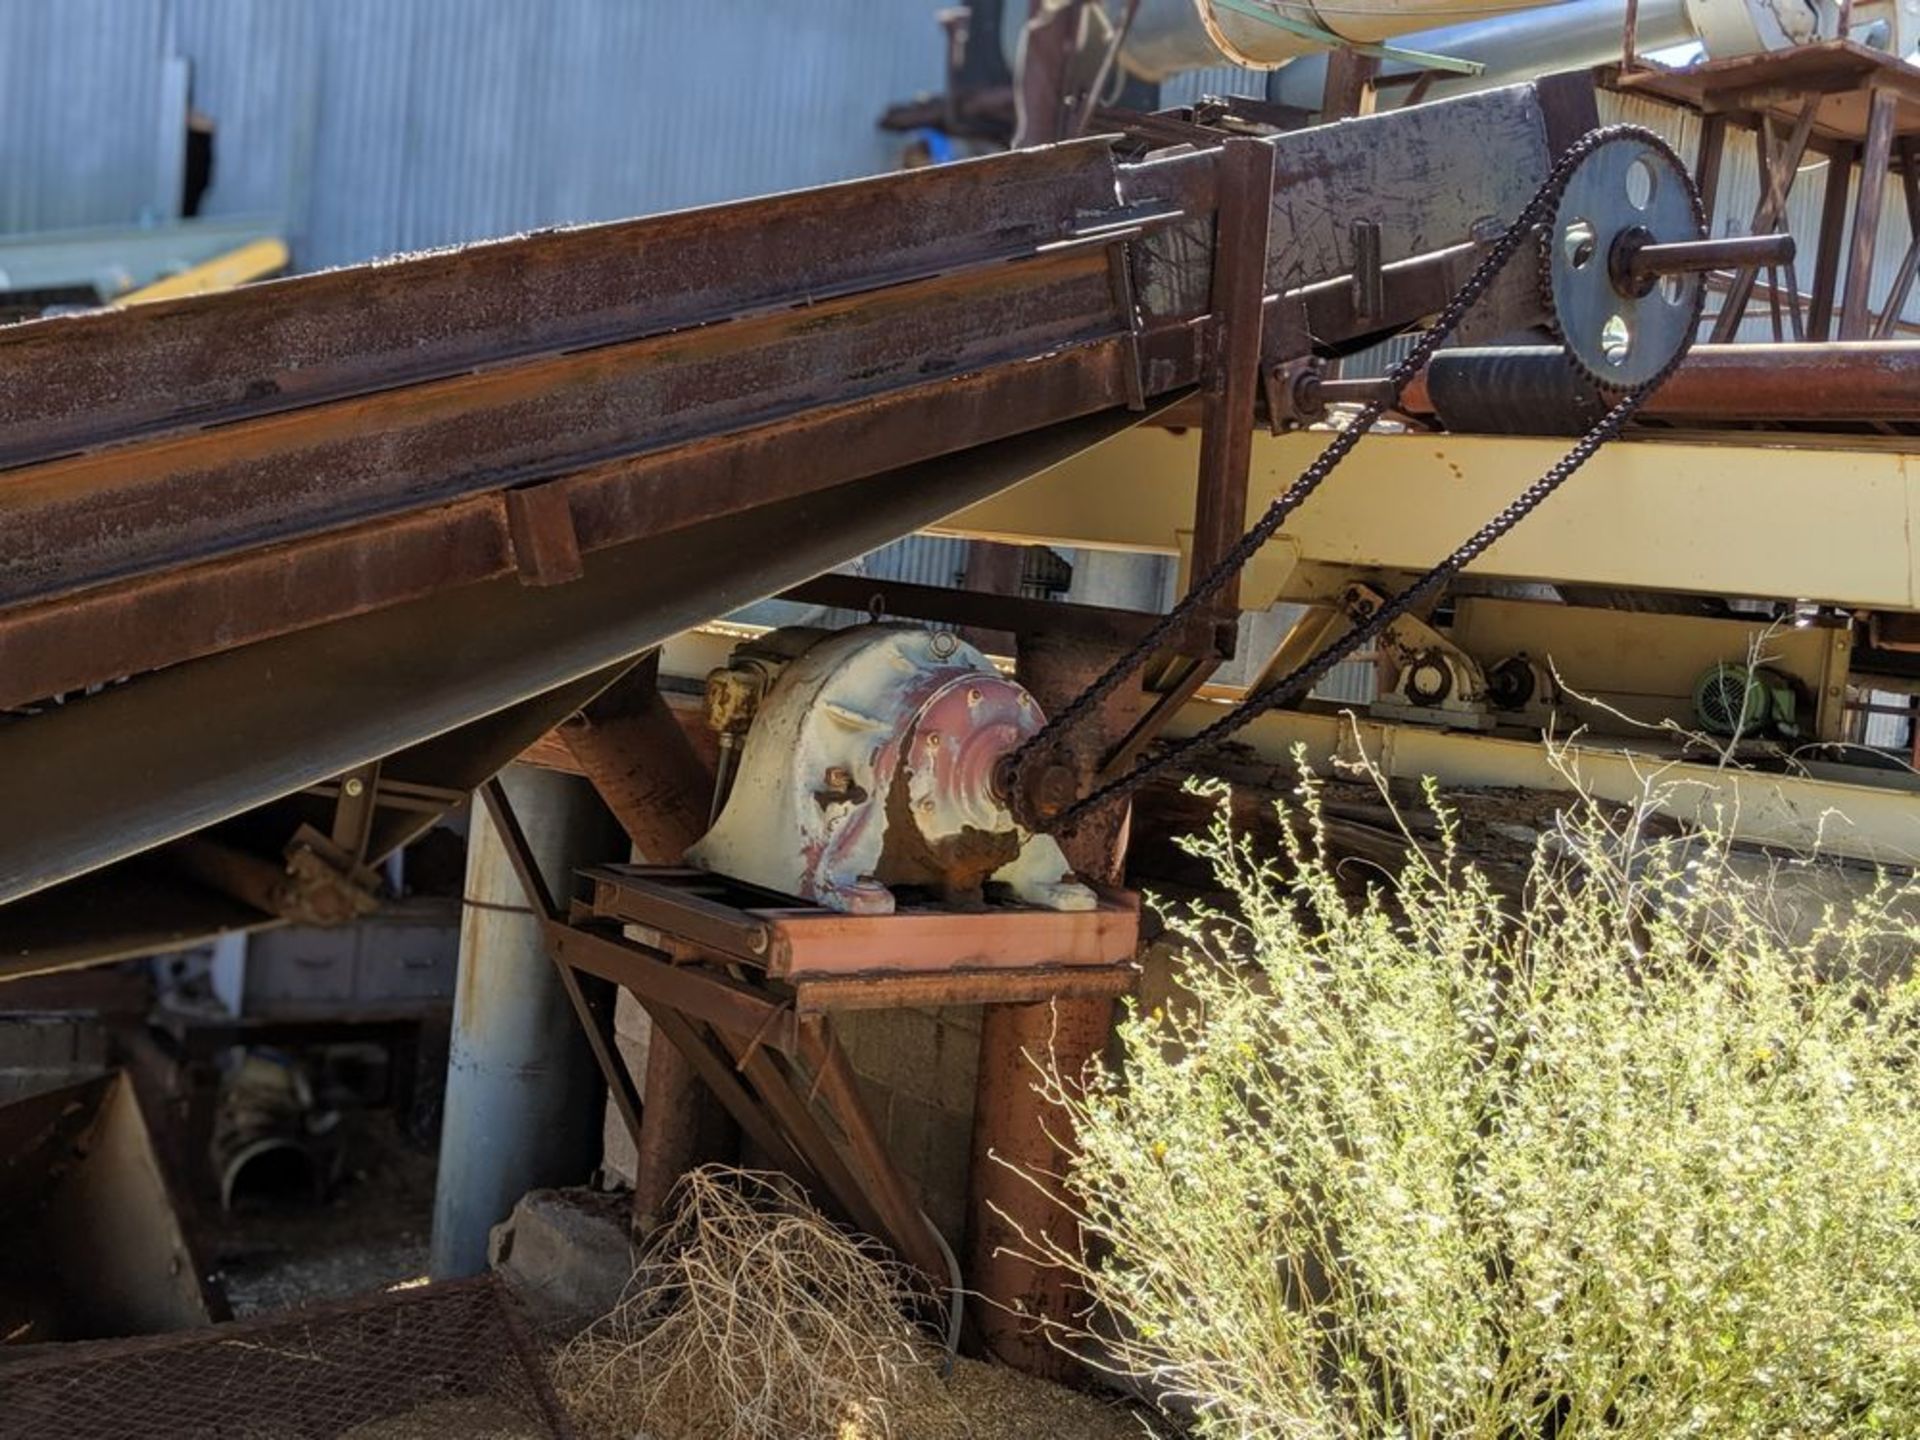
(1011, 1126)
(630, 745)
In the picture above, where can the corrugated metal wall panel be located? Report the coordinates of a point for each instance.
(916, 560)
(254, 74)
(80, 108)
(1221, 80)
(379, 126)
(485, 117)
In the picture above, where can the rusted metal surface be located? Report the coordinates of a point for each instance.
(1840, 73)
(430, 1359)
(1013, 614)
(1012, 1131)
(634, 750)
(310, 507)
(1834, 381)
(868, 768)
(135, 507)
(94, 1247)
(179, 614)
(1875, 153)
(1245, 180)
(546, 549)
(888, 991)
(798, 943)
(81, 381)
(701, 993)
(193, 744)
(629, 743)
(703, 1011)
(301, 888)
(148, 442)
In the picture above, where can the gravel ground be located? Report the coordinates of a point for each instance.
(371, 1233)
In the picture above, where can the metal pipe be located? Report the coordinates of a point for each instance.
(1016, 1139)
(1830, 381)
(1518, 45)
(1646, 263)
(1171, 36)
(521, 1108)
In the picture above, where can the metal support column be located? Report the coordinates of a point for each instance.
(523, 1097)
(1856, 316)
(630, 745)
(1012, 1130)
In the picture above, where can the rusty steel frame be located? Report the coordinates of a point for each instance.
(1857, 106)
(1000, 954)
(984, 610)
(746, 1041)
(200, 474)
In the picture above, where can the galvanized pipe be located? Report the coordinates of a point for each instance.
(521, 1109)
(1171, 36)
(1518, 45)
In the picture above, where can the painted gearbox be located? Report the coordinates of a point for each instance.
(869, 765)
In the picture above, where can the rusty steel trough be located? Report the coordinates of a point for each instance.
(299, 527)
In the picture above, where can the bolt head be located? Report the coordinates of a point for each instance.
(355, 788)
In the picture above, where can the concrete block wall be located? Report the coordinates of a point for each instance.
(918, 1070)
(632, 1033)
(43, 1052)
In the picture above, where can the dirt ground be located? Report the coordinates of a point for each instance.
(371, 1232)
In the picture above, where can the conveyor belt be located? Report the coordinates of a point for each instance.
(329, 519)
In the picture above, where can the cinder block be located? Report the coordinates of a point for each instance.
(565, 1252)
(954, 1075)
(630, 1017)
(892, 1047)
(37, 1042)
(961, 1017)
(931, 1145)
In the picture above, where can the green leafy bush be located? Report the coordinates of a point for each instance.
(1620, 1158)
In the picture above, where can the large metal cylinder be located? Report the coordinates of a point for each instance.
(522, 1106)
(1171, 36)
(1514, 47)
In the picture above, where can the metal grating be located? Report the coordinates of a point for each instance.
(437, 1361)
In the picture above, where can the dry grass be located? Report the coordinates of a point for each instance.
(749, 1317)
(991, 1402)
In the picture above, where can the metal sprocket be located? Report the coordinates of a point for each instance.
(1628, 189)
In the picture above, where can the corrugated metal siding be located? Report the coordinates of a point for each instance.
(1739, 195)
(80, 106)
(379, 126)
(916, 560)
(1221, 80)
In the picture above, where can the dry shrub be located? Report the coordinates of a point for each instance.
(749, 1317)
(1623, 1159)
